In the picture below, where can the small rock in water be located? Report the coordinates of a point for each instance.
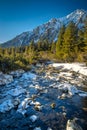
(16, 102)
(20, 110)
(23, 112)
(27, 94)
(37, 86)
(71, 125)
(63, 96)
(37, 128)
(33, 96)
(53, 105)
(85, 109)
(38, 106)
(31, 103)
(64, 114)
(33, 118)
(84, 94)
(68, 88)
(49, 128)
(25, 103)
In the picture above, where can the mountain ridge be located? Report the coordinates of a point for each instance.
(48, 30)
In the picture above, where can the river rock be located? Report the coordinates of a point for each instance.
(22, 108)
(71, 89)
(16, 102)
(39, 65)
(38, 106)
(17, 73)
(37, 103)
(85, 109)
(6, 106)
(49, 128)
(24, 103)
(37, 128)
(33, 118)
(5, 79)
(29, 75)
(64, 114)
(16, 92)
(63, 96)
(83, 94)
(72, 125)
(53, 105)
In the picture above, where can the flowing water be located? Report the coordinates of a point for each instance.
(44, 91)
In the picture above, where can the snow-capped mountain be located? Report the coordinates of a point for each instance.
(48, 30)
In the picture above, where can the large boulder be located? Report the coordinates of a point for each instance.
(5, 79)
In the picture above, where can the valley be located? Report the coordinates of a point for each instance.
(43, 73)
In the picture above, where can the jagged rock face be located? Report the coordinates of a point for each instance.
(48, 30)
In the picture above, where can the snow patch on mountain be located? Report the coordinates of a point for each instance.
(48, 30)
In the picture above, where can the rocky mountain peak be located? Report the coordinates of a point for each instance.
(48, 30)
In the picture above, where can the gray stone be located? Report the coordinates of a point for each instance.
(37, 128)
(72, 125)
(33, 118)
(17, 73)
(5, 79)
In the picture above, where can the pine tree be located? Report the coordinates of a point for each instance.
(53, 47)
(85, 36)
(26, 50)
(80, 40)
(46, 45)
(13, 52)
(60, 41)
(31, 52)
(39, 45)
(70, 41)
(6, 52)
(1, 51)
(32, 46)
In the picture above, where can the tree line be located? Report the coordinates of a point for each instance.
(71, 46)
(72, 43)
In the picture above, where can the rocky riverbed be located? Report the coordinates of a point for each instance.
(48, 97)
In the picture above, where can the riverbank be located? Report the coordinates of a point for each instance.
(77, 67)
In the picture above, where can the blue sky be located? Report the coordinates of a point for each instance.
(17, 16)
